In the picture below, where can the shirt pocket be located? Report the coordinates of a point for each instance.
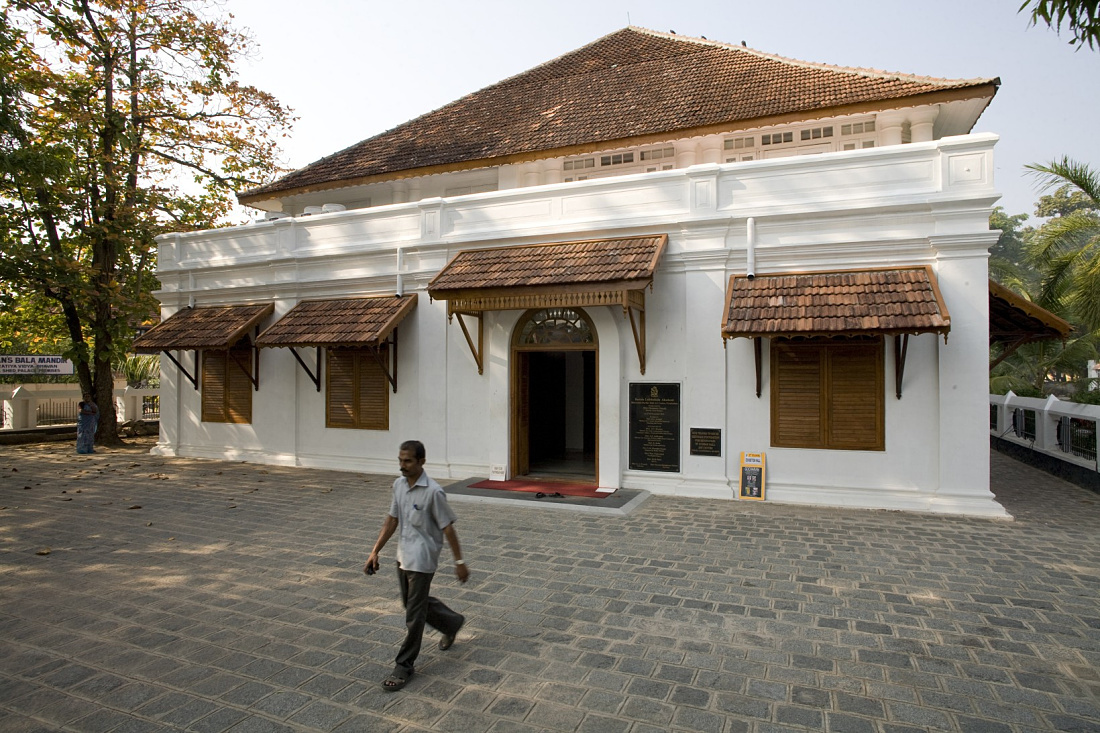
(418, 516)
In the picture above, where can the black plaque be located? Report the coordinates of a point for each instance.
(706, 442)
(655, 427)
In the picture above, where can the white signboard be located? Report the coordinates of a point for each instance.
(34, 364)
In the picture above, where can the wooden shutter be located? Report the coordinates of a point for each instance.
(213, 386)
(238, 393)
(340, 411)
(855, 397)
(358, 393)
(796, 372)
(374, 391)
(828, 394)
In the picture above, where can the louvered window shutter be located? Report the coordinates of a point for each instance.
(213, 386)
(340, 396)
(374, 392)
(855, 397)
(358, 392)
(797, 396)
(828, 394)
(238, 407)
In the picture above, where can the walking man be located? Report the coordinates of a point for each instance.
(421, 512)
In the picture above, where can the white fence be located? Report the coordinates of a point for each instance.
(1062, 430)
(37, 405)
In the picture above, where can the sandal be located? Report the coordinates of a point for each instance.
(395, 682)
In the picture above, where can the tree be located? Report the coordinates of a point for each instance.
(1081, 17)
(1064, 201)
(107, 109)
(1067, 248)
(1008, 263)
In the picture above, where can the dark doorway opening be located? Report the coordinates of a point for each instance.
(561, 408)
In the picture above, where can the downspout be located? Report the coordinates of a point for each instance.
(400, 268)
(750, 248)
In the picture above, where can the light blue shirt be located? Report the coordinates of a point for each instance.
(422, 513)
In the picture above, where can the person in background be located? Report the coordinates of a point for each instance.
(420, 511)
(87, 422)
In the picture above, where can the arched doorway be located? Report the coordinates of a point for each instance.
(554, 395)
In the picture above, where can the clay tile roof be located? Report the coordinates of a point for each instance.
(627, 262)
(1013, 318)
(345, 322)
(206, 327)
(904, 300)
(629, 84)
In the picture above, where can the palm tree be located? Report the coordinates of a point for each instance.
(1067, 248)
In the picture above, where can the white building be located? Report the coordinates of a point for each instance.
(570, 250)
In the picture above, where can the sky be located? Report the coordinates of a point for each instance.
(351, 69)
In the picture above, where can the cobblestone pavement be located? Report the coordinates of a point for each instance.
(140, 593)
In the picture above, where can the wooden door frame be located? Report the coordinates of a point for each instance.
(514, 379)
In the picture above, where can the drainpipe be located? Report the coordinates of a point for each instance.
(400, 267)
(750, 248)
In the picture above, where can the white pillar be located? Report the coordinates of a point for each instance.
(890, 125)
(531, 175)
(712, 149)
(686, 157)
(551, 171)
(921, 123)
(964, 380)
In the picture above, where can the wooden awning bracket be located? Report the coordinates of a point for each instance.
(638, 329)
(254, 378)
(193, 378)
(478, 349)
(1009, 350)
(901, 349)
(757, 352)
(314, 377)
(390, 370)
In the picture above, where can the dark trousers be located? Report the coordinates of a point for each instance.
(421, 608)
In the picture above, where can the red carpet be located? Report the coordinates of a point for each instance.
(546, 487)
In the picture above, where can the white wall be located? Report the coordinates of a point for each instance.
(919, 204)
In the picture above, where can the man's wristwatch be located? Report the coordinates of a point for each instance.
(460, 562)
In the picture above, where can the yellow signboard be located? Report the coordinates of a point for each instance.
(752, 476)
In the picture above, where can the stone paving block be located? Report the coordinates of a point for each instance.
(221, 720)
(842, 723)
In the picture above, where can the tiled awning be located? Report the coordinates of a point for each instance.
(343, 322)
(856, 303)
(590, 272)
(352, 322)
(562, 274)
(1015, 319)
(206, 327)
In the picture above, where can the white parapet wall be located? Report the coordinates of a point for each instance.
(21, 402)
(1048, 426)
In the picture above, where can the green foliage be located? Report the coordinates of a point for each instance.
(1060, 271)
(1081, 18)
(1088, 397)
(1064, 201)
(106, 106)
(1067, 248)
(140, 370)
(1008, 263)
